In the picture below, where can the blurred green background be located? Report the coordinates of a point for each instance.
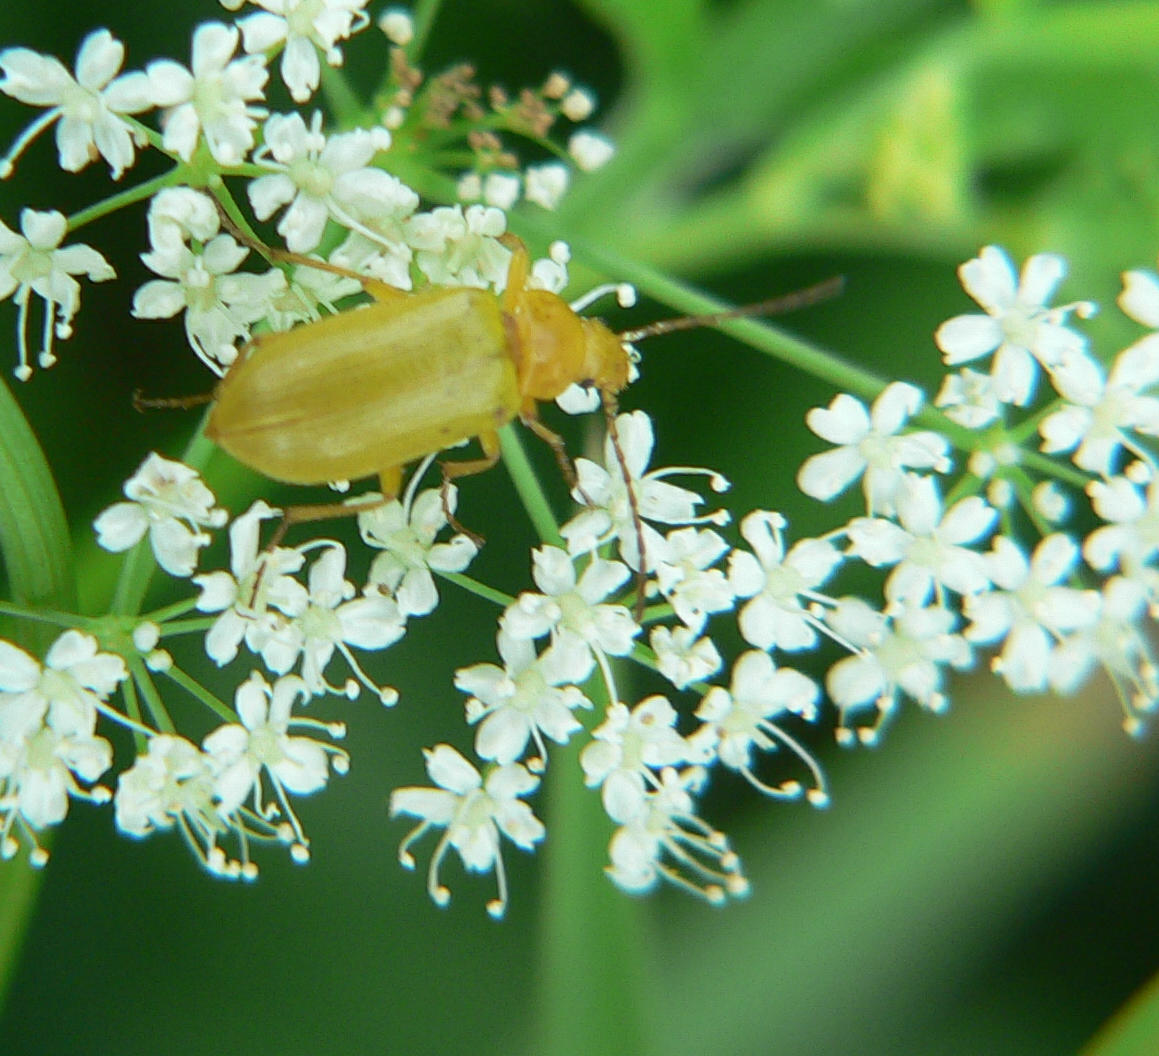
(985, 882)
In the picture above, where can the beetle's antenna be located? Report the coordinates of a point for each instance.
(787, 302)
(610, 409)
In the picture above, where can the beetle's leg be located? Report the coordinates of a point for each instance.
(610, 408)
(530, 418)
(390, 482)
(517, 272)
(453, 470)
(143, 403)
(322, 511)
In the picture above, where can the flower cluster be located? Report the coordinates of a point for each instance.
(970, 559)
(214, 122)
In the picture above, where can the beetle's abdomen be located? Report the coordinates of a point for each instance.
(369, 389)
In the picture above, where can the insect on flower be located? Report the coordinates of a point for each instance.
(372, 390)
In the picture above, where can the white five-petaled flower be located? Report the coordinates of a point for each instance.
(627, 747)
(609, 509)
(87, 108)
(573, 611)
(1027, 609)
(214, 100)
(685, 579)
(930, 549)
(474, 811)
(302, 28)
(869, 443)
(741, 718)
(170, 502)
(681, 657)
(780, 585)
(667, 840)
(1101, 412)
(34, 262)
(457, 247)
(406, 532)
(904, 654)
(255, 597)
(530, 697)
(1116, 641)
(64, 693)
(1018, 327)
(171, 781)
(318, 177)
(1130, 541)
(201, 278)
(48, 717)
(240, 752)
(335, 619)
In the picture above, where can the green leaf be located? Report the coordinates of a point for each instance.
(1134, 1029)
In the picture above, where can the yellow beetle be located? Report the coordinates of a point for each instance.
(373, 389)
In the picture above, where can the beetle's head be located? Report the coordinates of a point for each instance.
(606, 360)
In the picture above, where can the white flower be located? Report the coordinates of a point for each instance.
(501, 189)
(474, 812)
(781, 586)
(39, 773)
(929, 549)
(457, 248)
(398, 26)
(609, 509)
(528, 698)
(701, 860)
(626, 748)
(692, 588)
(1131, 540)
(969, 399)
(1017, 327)
(681, 657)
(255, 598)
(170, 502)
(316, 176)
(214, 100)
(240, 752)
(202, 280)
(1117, 642)
(303, 28)
(406, 533)
(64, 694)
(590, 150)
(171, 781)
(868, 444)
(86, 108)
(1101, 413)
(573, 610)
(545, 185)
(335, 619)
(48, 717)
(740, 719)
(1027, 609)
(905, 654)
(34, 263)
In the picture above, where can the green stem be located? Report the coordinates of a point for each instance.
(593, 974)
(527, 485)
(129, 196)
